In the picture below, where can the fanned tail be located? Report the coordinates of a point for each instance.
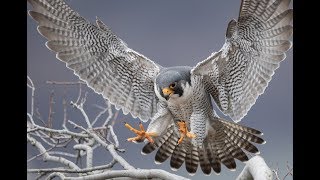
(225, 142)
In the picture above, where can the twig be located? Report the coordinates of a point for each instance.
(289, 169)
(98, 116)
(80, 108)
(289, 172)
(275, 172)
(51, 102)
(79, 95)
(114, 136)
(110, 113)
(39, 117)
(64, 102)
(31, 86)
(45, 139)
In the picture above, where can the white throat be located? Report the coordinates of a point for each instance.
(186, 96)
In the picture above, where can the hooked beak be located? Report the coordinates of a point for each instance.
(167, 92)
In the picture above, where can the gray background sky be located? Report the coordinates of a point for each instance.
(180, 32)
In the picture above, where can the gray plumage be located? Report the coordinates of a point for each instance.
(234, 77)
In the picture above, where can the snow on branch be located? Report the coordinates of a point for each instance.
(136, 173)
(256, 168)
(64, 147)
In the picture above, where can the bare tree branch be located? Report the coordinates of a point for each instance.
(31, 86)
(110, 113)
(86, 139)
(50, 114)
(56, 174)
(99, 115)
(114, 136)
(46, 151)
(136, 173)
(62, 153)
(109, 147)
(88, 150)
(80, 108)
(63, 170)
(65, 132)
(48, 157)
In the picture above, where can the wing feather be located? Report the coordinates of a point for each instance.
(255, 45)
(98, 57)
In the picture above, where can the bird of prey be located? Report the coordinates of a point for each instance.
(178, 100)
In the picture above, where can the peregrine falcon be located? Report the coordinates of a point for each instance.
(178, 100)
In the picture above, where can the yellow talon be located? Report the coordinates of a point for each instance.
(184, 131)
(141, 134)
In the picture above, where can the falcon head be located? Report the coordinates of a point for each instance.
(173, 82)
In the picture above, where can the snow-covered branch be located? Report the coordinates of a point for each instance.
(47, 157)
(135, 173)
(256, 168)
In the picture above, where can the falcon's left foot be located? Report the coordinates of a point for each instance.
(184, 131)
(141, 135)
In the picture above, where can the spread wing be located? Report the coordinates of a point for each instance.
(98, 57)
(255, 45)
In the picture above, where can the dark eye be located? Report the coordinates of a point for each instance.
(172, 85)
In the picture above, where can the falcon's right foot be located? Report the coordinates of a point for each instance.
(141, 134)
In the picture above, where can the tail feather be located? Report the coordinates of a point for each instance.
(241, 128)
(243, 143)
(204, 160)
(247, 136)
(192, 159)
(158, 141)
(178, 156)
(218, 145)
(166, 149)
(236, 151)
(223, 144)
(213, 159)
(148, 148)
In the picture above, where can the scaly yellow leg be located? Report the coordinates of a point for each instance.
(141, 134)
(181, 138)
(184, 131)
